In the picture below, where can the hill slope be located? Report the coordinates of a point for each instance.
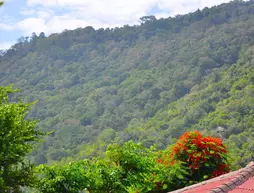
(147, 83)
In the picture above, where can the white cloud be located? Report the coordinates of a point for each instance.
(44, 2)
(60, 23)
(27, 12)
(109, 12)
(32, 25)
(120, 12)
(45, 14)
(127, 7)
(52, 16)
(185, 6)
(6, 27)
(161, 15)
(5, 45)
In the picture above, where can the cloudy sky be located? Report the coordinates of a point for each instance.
(22, 17)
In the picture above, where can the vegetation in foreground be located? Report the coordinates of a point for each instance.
(133, 168)
(126, 168)
(147, 83)
(17, 138)
(144, 83)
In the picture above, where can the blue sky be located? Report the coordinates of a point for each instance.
(23, 17)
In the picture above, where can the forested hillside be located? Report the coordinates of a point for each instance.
(146, 83)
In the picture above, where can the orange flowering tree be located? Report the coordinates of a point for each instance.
(206, 157)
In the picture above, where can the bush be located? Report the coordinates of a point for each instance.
(134, 169)
(206, 157)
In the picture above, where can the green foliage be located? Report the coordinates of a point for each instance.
(17, 137)
(126, 168)
(147, 83)
(208, 106)
(132, 168)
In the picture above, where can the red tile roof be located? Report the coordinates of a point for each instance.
(240, 181)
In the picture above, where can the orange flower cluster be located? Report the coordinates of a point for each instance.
(199, 153)
(165, 160)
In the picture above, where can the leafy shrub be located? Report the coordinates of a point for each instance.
(134, 169)
(206, 157)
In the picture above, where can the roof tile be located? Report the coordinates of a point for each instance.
(234, 182)
(217, 190)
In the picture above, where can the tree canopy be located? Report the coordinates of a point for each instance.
(132, 168)
(17, 137)
(147, 83)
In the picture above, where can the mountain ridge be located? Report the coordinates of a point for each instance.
(100, 86)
